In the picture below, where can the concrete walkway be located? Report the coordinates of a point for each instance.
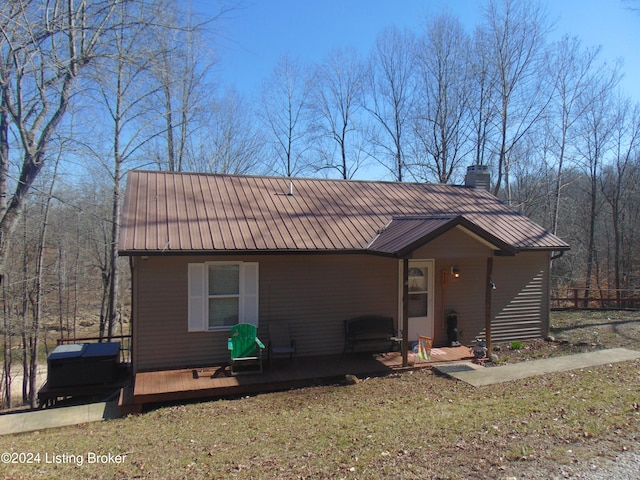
(57, 417)
(479, 376)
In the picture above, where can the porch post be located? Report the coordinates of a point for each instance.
(405, 312)
(487, 304)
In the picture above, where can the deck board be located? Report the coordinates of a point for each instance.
(215, 381)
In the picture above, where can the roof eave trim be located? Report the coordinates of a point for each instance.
(202, 253)
(559, 248)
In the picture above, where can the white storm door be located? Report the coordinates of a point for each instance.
(420, 299)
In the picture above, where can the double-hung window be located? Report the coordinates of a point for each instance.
(222, 294)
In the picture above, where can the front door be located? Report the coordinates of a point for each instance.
(420, 299)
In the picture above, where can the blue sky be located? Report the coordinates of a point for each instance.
(261, 31)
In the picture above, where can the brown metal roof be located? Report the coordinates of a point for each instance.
(181, 212)
(405, 234)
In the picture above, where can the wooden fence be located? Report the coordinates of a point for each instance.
(595, 299)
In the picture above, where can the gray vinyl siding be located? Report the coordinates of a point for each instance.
(314, 293)
(520, 308)
(466, 294)
(161, 339)
(520, 302)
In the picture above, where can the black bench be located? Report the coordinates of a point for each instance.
(371, 333)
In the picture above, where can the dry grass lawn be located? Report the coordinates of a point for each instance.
(409, 425)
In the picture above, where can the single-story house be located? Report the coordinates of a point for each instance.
(209, 251)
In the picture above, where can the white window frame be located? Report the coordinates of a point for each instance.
(209, 296)
(198, 288)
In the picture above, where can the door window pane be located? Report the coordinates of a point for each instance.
(417, 279)
(418, 305)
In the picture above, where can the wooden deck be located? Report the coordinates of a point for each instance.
(216, 382)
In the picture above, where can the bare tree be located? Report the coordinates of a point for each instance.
(595, 142)
(531, 180)
(572, 70)
(482, 91)
(232, 142)
(515, 33)
(122, 100)
(43, 49)
(391, 92)
(38, 294)
(337, 99)
(8, 336)
(48, 53)
(630, 221)
(443, 122)
(149, 87)
(618, 182)
(285, 112)
(179, 63)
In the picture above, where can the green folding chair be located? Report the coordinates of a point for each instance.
(246, 349)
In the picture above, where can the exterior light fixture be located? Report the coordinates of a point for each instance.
(455, 272)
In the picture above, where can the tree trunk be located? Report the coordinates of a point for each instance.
(591, 242)
(113, 253)
(37, 303)
(4, 158)
(7, 351)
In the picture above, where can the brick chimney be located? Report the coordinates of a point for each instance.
(478, 177)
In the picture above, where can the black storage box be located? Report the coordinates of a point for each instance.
(82, 364)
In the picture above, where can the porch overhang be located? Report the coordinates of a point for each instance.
(402, 235)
